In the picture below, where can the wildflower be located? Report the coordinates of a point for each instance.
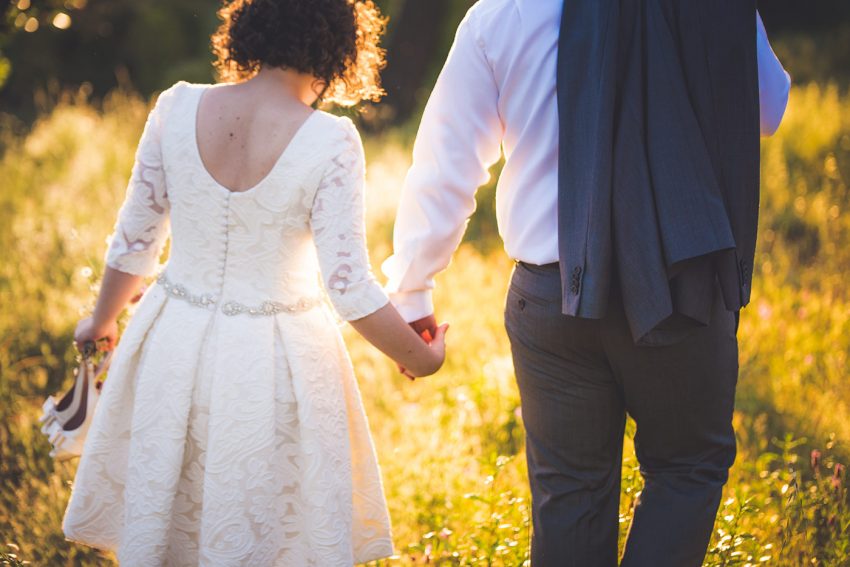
(815, 459)
(836, 476)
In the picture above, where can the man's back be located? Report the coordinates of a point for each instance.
(498, 90)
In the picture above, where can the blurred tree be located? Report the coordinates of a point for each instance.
(793, 16)
(419, 36)
(54, 45)
(415, 39)
(812, 39)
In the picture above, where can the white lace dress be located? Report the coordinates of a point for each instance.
(230, 430)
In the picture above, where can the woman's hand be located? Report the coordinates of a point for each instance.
(105, 335)
(438, 350)
(386, 330)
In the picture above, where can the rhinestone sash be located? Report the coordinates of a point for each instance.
(232, 308)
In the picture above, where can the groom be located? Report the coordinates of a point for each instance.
(629, 200)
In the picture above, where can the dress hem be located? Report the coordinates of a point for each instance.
(384, 553)
(99, 547)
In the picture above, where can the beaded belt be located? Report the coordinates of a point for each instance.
(231, 308)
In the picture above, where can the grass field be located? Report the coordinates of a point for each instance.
(451, 446)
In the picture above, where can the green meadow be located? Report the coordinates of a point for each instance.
(451, 446)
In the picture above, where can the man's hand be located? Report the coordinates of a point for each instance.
(426, 328)
(429, 324)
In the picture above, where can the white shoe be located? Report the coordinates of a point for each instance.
(58, 411)
(67, 431)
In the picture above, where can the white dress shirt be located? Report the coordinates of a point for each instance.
(497, 93)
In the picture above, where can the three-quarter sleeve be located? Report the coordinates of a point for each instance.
(143, 221)
(338, 224)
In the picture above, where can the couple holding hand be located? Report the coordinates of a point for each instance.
(231, 429)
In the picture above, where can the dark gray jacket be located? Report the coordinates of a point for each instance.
(659, 159)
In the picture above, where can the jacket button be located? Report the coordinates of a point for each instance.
(577, 270)
(574, 289)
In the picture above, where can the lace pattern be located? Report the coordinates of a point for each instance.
(142, 227)
(222, 440)
(338, 224)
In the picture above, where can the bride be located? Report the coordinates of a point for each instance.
(231, 429)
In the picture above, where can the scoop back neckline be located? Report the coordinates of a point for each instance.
(201, 90)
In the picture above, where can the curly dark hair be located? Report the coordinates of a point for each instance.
(337, 41)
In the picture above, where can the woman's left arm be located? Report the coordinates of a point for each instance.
(116, 290)
(337, 221)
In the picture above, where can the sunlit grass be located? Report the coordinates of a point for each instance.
(451, 446)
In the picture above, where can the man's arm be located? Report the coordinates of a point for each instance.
(774, 83)
(458, 140)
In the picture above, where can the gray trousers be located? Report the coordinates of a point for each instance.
(578, 378)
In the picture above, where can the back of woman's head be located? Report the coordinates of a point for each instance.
(337, 41)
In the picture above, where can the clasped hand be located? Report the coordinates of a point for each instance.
(432, 334)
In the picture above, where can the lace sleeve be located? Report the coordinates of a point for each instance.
(143, 225)
(337, 220)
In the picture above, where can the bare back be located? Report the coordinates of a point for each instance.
(243, 129)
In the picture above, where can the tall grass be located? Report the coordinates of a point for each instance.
(451, 446)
